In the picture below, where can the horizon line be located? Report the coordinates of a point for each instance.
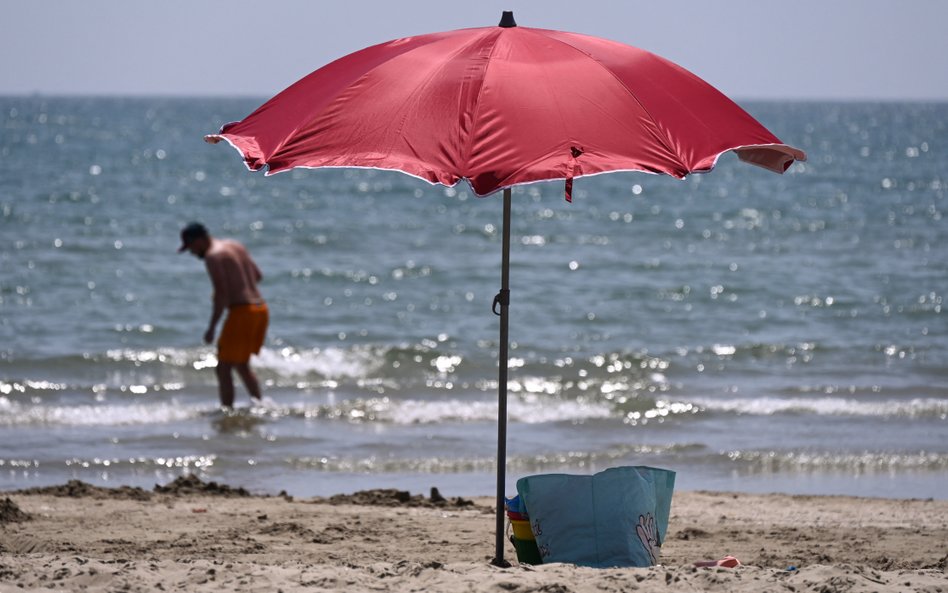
(264, 97)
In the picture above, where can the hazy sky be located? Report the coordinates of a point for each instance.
(803, 49)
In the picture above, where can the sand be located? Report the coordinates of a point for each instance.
(196, 536)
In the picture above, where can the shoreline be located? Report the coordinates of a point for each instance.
(196, 536)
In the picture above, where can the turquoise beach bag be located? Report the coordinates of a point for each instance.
(618, 517)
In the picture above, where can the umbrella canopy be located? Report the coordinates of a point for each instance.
(501, 106)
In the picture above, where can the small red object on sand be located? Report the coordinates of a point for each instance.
(199, 510)
(726, 562)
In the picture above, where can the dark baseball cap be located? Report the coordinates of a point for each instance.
(190, 233)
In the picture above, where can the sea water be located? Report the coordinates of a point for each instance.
(750, 331)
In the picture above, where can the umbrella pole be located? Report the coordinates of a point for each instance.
(503, 299)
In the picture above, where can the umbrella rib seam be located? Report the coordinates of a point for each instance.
(475, 115)
(661, 137)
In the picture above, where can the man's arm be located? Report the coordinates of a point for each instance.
(216, 271)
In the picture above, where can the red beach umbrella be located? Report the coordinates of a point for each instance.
(497, 107)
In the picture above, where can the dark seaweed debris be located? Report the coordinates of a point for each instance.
(11, 513)
(388, 497)
(181, 486)
(192, 484)
(80, 489)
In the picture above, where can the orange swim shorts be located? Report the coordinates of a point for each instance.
(243, 333)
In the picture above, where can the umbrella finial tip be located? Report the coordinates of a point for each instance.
(507, 20)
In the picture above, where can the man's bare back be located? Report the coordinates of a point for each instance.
(233, 274)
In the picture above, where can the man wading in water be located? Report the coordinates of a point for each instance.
(234, 276)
